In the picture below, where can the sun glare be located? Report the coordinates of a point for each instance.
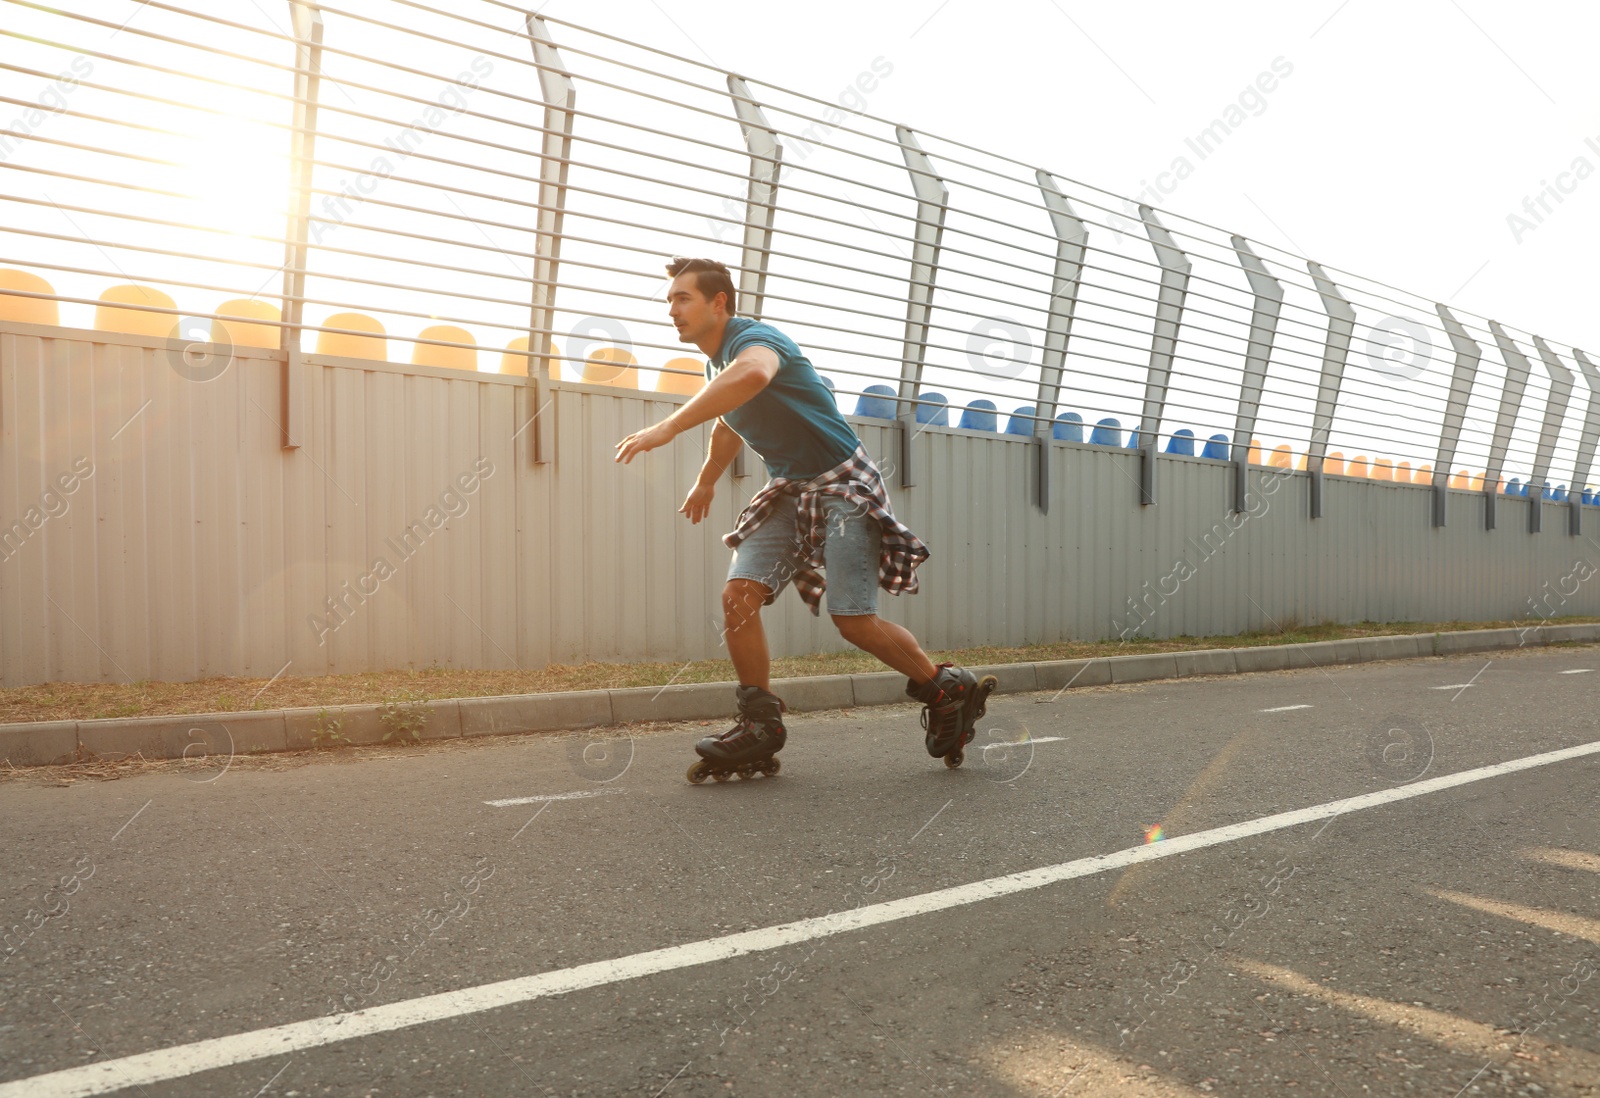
(238, 175)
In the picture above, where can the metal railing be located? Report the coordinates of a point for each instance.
(474, 175)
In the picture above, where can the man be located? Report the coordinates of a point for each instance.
(825, 501)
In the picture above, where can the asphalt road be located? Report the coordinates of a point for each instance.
(206, 927)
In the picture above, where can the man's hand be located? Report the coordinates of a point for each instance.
(647, 439)
(698, 503)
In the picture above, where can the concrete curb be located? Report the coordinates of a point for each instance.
(215, 735)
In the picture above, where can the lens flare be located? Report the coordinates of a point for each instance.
(1154, 834)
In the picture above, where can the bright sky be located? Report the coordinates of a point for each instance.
(1396, 142)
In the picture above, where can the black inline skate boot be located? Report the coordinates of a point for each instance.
(952, 702)
(746, 749)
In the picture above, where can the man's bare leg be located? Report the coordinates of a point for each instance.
(742, 600)
(891, 643)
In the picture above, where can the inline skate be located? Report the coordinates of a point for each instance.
(750, 746)
(952, 703)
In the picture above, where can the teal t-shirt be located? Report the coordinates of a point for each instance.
(794, 423)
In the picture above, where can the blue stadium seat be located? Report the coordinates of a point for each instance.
(876, 401)
(1021, 422)
(933, 408)
(1069, 427)
(1108, 432)
(1216, 448)
(1513, 487)
(1588, 496)
(1560, 494)
(980, 415)
(1181, 442)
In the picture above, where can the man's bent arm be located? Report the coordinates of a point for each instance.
(745, 376)
(725, 443)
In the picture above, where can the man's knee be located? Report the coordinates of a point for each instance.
(856, 627)
(742, 599)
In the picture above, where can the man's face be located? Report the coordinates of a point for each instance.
(691, 313)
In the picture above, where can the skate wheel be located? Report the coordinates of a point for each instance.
(985, 685)
(771, 768)
(745, 772)
(955, 759)
(699, 772)
(722, 775)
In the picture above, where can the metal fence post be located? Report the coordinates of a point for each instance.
(766, 157)
(1341, 325)
(307, 23)
(1071, 240)
(1468, 355)
(1163, 346)
(1555, 410)
(1517, 370)
(1264, 315)
(760, 209)
(933, 199)
(560, 103)
(1587, 442)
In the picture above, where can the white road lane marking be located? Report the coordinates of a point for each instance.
(1453, 686)
(1285, 708)
(180, 1061)
(1578, 671)
(509, 801)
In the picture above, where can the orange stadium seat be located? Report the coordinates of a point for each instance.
(109, 318)
(374, 346)
(460, 355)
(27, 310)
(1281, 458)
(511, 363)
(233, 327)
(611, 366)
(688, 384)
(1333, 464)
(1382, 469)
(1358, 467)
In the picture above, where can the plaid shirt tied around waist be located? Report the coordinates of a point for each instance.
(855, 479)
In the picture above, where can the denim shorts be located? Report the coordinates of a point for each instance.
(771, 555)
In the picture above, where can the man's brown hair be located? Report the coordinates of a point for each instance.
(710, 278)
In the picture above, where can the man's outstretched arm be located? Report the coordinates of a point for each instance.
(744, 377)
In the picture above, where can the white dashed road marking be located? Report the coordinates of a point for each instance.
(1285, 708)
(180, 1061)
(509, 801)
